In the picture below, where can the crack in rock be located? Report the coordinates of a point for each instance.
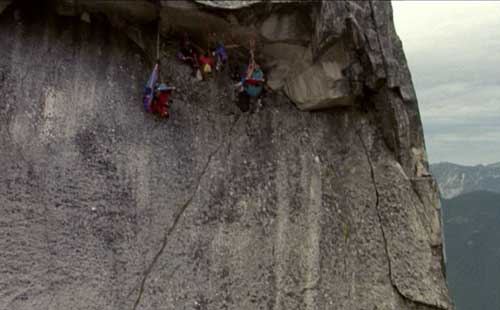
(178, 216)
(384, 237)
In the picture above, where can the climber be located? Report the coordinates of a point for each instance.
(206, 65)
(156, 94)
(187, 54)
(161, 102)
(218, 51)
(220, 55)
(149, 87)
(252, 82)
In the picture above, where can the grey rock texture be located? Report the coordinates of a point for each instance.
(454, 180)
(106, 207)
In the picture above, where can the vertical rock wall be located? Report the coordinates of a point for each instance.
(106, 207)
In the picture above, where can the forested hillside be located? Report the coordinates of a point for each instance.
(472, 241)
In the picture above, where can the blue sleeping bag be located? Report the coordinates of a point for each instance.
(254, 89)
(221, 53)
(148, 89)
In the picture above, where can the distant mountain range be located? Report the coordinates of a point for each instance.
(471, 235)
(454, 179)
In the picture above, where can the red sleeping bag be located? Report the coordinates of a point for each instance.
(160, 104)
(253, 82)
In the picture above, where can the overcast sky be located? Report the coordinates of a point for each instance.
(453, 49)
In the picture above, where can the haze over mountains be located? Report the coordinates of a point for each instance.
(454, 179)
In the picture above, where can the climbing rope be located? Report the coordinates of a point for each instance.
(158, 28)
(158, 39)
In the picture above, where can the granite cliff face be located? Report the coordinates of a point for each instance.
(106, 207)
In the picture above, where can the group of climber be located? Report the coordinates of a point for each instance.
(203, 65)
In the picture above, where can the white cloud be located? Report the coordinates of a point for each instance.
(453, 50)
(423, 23)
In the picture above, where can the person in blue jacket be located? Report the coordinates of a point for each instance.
(252, 80)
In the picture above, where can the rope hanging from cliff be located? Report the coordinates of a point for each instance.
(149, 87)
(158, 39)
(158, 28)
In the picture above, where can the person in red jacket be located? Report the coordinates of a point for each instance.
(161, 102)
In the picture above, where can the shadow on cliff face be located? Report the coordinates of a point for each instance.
(106, 207)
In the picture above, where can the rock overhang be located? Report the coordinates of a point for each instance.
(305, 52)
